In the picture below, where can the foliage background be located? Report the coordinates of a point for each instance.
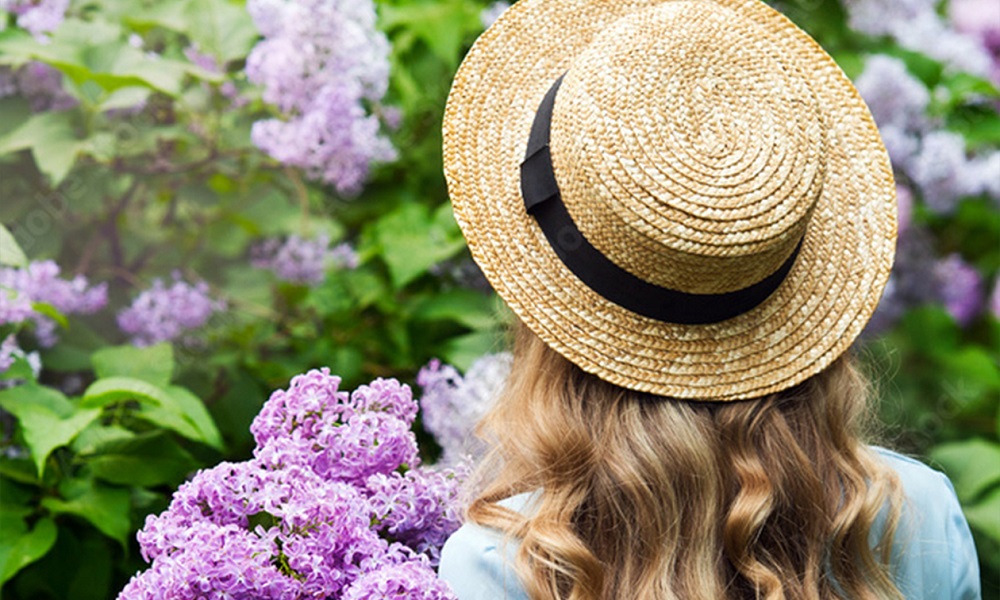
(148, 169)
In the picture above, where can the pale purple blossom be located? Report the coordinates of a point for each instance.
(303, 261)
(10, 351)
(39, 282)
(410, 580)
(904, 207)
(961, 288)
(491, 13)
(39, 83)
(916, 25)
(452, 405)
(292, 524)
(164, 312)
(941, 171)
(39, 17)
(994, 302)
(895, 97)
(419, 509)
(321, 62)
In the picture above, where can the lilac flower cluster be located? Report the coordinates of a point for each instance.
(453, 404)
(935, 160)
(164, 313)
(299, 260)
(39, 83)
(917, 26)
(321, 62)
(21, 289)
(37, 16)
(332, 505)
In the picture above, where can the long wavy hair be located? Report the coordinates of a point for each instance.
(641, 497)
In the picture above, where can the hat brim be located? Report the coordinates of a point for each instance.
(813, 317)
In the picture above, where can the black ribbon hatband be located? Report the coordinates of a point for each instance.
(544, 202)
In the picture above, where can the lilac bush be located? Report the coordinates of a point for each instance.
(300, 260)
(333, 504)
(37, 16)
(321, 63)
(453, 404)
(164, 313)
(22, 289)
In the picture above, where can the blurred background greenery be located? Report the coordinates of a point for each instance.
(203, 198)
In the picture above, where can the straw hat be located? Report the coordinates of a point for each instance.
(687, 198)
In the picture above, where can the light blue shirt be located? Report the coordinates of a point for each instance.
(933, 554)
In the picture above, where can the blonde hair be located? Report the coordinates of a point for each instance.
(645, 498)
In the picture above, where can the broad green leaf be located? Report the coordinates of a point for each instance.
(153, 364)
(412, 241)
(146, 460)
(51, 312)
(48, 420)
(52, 139)
(192, 408)
(984, 515)
(443, 26)
(473, 309)
(105, 507)
(96, 436)
(973, 466)
(20, 549)
(462, 351)
(11, 254)
(109, 390)
(219, 28)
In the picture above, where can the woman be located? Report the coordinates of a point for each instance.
(690, 211)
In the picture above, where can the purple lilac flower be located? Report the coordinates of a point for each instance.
(410, 580)
(290, 524)
(419, 509)
(10, 352)
(39, 282)
(897, 99)
(911, 282)
(916, 26)
(303, 261)
(491, 13)
(162, 313)
(42, 85)
(941, 170)
(453, 405)
(979, 19)
(961, 288)
(37, 16)
(321, 63)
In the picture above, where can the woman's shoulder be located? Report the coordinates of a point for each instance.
(477, 561)
(933, 552)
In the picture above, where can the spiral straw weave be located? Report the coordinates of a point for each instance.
(695, 143)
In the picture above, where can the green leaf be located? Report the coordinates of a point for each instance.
(193, 409)
(51, 137)
(984, 516)
(468, 307)
(96, 436)
(412, 241)
(152, 364)
(104, 506)
(443, 26)
(20, 549)
(462, 351)
(120, 389)
(145, 460)
(973, 466)
(48, 420)
(171, 407)
(11, 254)
(219, 28)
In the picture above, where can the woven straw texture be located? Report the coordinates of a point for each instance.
(695, 144)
